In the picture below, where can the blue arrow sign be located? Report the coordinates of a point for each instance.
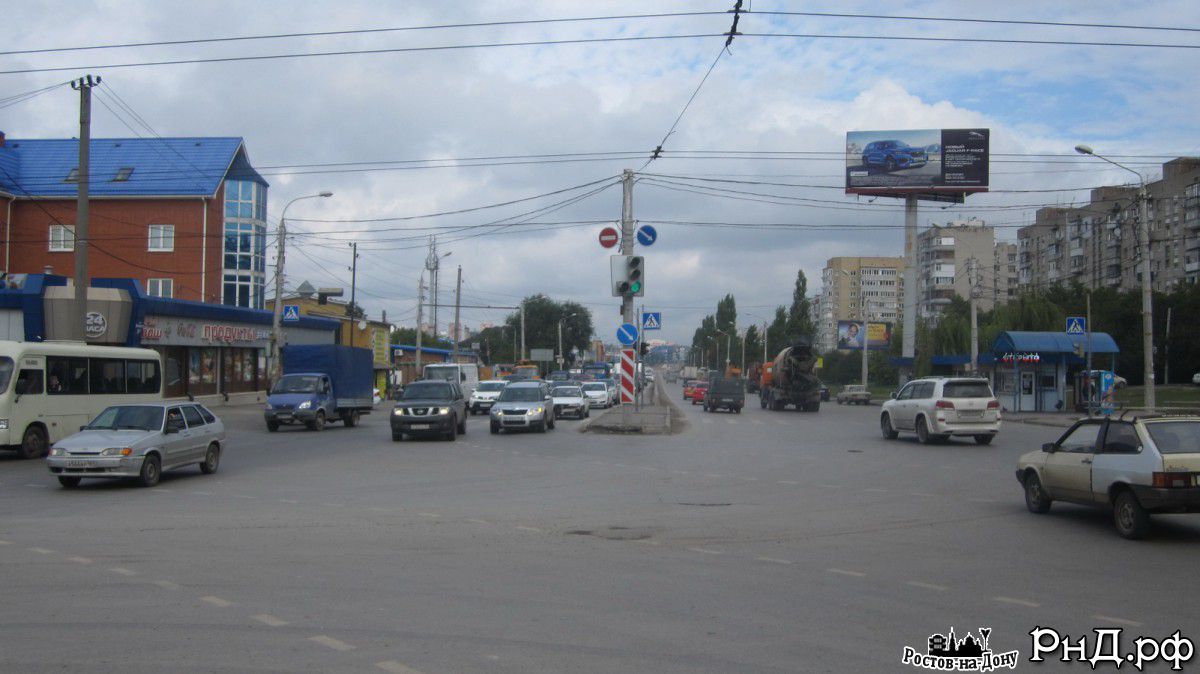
(652, 320)
(647, 235)
(1076, 325)
(291, 312)
(627, 334)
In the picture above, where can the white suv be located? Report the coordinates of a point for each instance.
(936, 408)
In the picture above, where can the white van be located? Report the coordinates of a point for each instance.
(466, 374)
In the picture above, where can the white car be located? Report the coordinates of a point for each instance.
(569, 401)
(1196, 379)
(484, 396)
(598, 394)
(936, 408)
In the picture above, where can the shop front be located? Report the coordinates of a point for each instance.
(1031, 370)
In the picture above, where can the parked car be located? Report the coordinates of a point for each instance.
(485, 395)
(598, 394)
(936, 408)
(854, 394)
(140, 441)
(699, 390)
(725, 393)
(1134, 467)
(430, 407)
(523, 405)
(891, 155)
(569, 401)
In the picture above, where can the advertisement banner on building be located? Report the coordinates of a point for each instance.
(921, 161)
(849, 336)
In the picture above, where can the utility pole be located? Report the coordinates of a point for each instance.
(420, 317)
(432, 262)
(627, 236)
(974, 296)
(1147, 299)
(522, 330)
(908, 349)
(353, 287)
(457, 307)
(84, 86)
(1166, 350)
(764, 343)
(277, 313)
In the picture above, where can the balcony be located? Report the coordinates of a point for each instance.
(942, 243)
(1191, 267)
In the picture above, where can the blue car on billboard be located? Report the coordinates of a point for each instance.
(893, 154)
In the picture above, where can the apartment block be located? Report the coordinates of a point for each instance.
(854, 287)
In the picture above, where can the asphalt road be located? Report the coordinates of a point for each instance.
(759, 542)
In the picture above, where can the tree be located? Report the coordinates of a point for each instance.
(754, 344)
(799, 323)
(727, 314)
(777, 333)
(542, 315)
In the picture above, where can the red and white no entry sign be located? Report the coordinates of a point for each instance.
(609, 237)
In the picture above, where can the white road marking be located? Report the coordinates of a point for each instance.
(244, 496)
(846, 572)
(330, 642)
(832, 486)
(876, 490)
(166, 584)
(120, 570)
(268, 619)
(731, 421)
(36, 486)
(712, 475)
(79, 560)
(682, 472)
(1018, 602)
(790, 483)
(334, 505)
(982, 500)
(202, 493)
(4, 542)
(288, 500)
(377, 509)
(707, 421)
(478, 521)
(428, 515)
(1118, 621)
(756, 422)
(524, 528)
(216, 601)
(650, 468)
(643, 541)
(773, 560)
(398, 668)
(927, 586)
(920, 493)
(706, 551)
(42, 551)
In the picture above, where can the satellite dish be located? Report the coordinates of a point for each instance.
(362, 325)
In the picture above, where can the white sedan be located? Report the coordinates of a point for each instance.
(598, 394)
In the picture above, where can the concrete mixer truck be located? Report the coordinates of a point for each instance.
(793, 379)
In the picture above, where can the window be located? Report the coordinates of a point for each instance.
(123, 174)
(72, 176)
(160, 287)
(209, 418)
(142, 376)
(1121, 438)
(107, 375)
(62, 238)
(1081, 439)
(29, 382)
(193, 417)
(68, 376)
(162, 238)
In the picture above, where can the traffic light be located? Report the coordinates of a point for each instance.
(645, 349)
(634, 269)
(627, 275)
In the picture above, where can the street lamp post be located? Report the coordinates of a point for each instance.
(277, 313)
(1147, 296)
(561, 355)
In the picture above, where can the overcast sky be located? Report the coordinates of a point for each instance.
(767, 94)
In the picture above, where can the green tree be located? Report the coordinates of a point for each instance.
(799, 324)
(542, 315)
(777, 333)
(754, 344)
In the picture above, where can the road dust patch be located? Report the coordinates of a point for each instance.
(705, 505)
(615, 533)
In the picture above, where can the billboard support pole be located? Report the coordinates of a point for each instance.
(908, 347)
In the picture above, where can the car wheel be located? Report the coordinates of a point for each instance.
(762, 401)
(890, 165)
(272, 426)
(815, 407)
(737, 410)
(212, 459)
(397, 436)
(984, 439)
(1132, 520)
(885, 427)
(33, 443)
(495, 428)
(541, 427)
(151, 471)
(553, 421)
(1036, 499)
(452, 434)
(69, 482)
(462, 426)
(351, 419)
(923, 435)
(318, 423)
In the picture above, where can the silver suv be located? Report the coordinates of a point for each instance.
(936, 408)
(1135, 467)
(523, 404)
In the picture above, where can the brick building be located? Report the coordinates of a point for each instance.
(186, 217)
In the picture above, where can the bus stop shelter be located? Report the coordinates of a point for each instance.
(1032, 369)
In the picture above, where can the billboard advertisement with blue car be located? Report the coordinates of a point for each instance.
(927, 162)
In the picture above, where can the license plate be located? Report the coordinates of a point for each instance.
(284, 415)
(80, 463)
(970, 413)
(726, 400)
(421, 427)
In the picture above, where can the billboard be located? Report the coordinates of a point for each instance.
(928, 162)
(849, 336)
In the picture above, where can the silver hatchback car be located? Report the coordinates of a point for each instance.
(140, 441)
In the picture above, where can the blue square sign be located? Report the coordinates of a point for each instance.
(652, 320)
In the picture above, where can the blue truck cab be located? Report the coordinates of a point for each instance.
(321, 384)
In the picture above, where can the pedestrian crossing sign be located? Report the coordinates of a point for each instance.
(291, 312)
(652, 320)
(1076, 325)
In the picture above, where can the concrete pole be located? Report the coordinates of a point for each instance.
(420, 318)
(522, 330)
(974, 316)
(908, 348)
(1147, 300)
(277, 309)
(83, 173)
(457, 308)
(353, 288)
(627, 236)
(1166, 348)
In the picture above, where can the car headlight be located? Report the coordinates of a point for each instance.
(117, 451)
(3, 424)
(443, 410)
(399, 411)
(269, 407)
(536, 410)
(57, 451)
(304, 405)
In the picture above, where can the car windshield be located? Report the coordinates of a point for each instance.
(727, 386)
(426, 391)
(445, 373)
(1176, 437)
(966, 389)
(128, 417)
(595, 387)
(491, 386)
(568, 392)
(297, 383)
(521, 394)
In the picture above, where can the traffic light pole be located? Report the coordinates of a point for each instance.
(627, 236)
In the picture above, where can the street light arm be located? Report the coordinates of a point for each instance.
(1084, 149)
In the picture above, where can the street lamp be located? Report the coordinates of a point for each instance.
(277, 313)
(561, 356)
(1147, 296)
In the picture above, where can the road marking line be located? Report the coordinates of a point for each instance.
(731, 421)
(478, 521)
(524, 528)
(620, 465)
(123, 571)
(79, 560)
(832, 486)
(216, 601)
(1119, 621)
(920, 493)
(334, 505)
(36, 486)
(244, 496)
(708, 421)
(790, 483)
(643, 541)
(756, 422)
(876, 490)
(1018, 602)
(682, 472)
(650, 468)
(4, 542)
(398, 668)
(166, 584)
(202, 493)
(928, 586)
(288, 500)
(706, 551)
(42, 551)
(712, 475)
(982, 500)
(379, 510)
(330, 642)
(773, 560)
(268, 619)
(845, 572)
(428, 515)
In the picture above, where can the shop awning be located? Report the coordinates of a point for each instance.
(1051, 342)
